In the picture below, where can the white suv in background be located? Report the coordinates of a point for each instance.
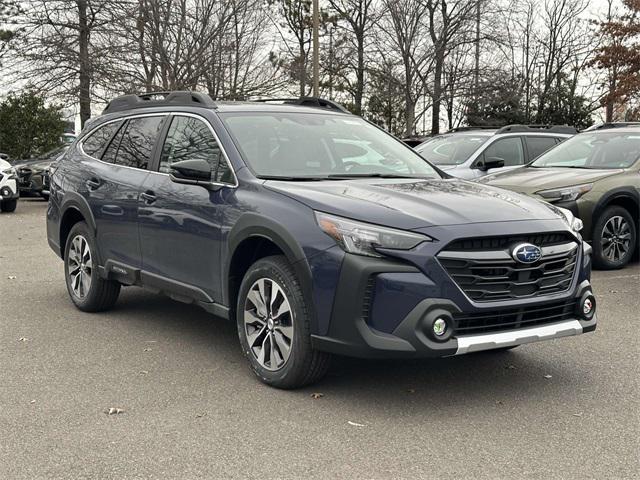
(473, 152)
(8, 187)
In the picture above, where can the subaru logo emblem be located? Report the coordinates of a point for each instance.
(526, 253)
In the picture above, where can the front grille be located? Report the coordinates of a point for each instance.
(24, 176)
(489, 275)
(475, 323)
(495, 243)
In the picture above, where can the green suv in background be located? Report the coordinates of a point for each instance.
(596, 175)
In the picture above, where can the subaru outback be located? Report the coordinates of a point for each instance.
(313, 230)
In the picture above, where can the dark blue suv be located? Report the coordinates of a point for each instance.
(314, 230)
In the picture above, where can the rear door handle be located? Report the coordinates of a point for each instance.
(148, 197)
(93, 183)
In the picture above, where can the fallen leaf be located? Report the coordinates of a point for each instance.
(577, 414)
(411, 390)
(200, 415)
(143, 372)
(548, 376)
(32, 402)
(147, 349)
(511, 367)
(23, 339)
(355, 424)
(114, 411)
(499, 402)
(317, 395)
(12, 277)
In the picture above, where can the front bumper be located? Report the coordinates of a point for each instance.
(385, 309)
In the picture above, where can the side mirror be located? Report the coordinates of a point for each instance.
(192, 172)
(491, 162)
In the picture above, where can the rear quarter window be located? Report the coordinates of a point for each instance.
(96, 142)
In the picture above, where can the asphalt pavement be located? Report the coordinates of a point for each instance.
(567, 408)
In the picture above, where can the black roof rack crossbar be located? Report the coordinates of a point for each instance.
(536, 128)
(307, 102)
(472, 128)
(159, 99)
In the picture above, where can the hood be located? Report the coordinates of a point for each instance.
(411, 204)
(531, 179)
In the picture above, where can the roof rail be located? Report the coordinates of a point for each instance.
(316, 102)
(159, 99)
(609, 125)
(471, 128)
(536, 128)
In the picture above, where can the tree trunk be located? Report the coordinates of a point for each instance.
(359, 76)
(85, 74)
(437, 92)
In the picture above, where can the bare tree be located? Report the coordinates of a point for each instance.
(59, 53)
(360, 17)
(450, 24)
(406, 39)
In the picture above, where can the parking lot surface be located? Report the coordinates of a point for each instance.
(568, 408)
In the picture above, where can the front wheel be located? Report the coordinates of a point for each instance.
(274, 326)
(9, 205)
(88, 291)
(614, 239)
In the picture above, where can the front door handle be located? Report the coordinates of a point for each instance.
(148, 197)
(93, 183)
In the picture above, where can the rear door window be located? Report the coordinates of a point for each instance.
(536, 146)
(95, 143)
(133, 145)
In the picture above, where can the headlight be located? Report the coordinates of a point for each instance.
(566, 194)
(574, 223)
(11, 173)
(363, 238)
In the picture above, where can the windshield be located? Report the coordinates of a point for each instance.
(594, 150)
(319, 146)
(451, 149)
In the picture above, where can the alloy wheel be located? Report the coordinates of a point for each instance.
(80, 266)
(268, 324)
(616, 238)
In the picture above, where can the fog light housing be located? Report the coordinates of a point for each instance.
(439, 327)
(587, 306)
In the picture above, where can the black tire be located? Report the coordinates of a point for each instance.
(9, 205)
(102, 294)
(602, 257)
(304, 365)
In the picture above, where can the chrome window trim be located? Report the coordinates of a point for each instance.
(162, 114)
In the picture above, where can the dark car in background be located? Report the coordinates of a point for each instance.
(596, 175)
(33, 174)
(313, 230)
(473, 152)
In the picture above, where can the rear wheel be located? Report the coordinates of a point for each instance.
(274, 326)
(9, 205)
(614, 239)
(88, 291)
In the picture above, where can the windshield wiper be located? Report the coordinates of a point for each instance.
(291, 179)
(346, 176)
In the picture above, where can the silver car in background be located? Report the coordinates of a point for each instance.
(473, 152)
